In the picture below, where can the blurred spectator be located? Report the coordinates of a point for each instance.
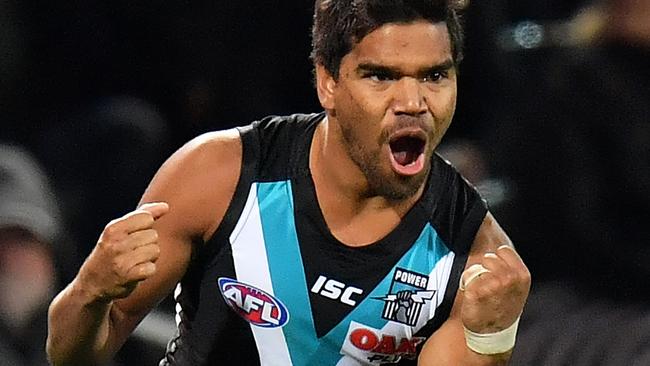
(572, 134)
(32, 258)
(111, 89)
(604, 104)
(36, 257)
(574, 138)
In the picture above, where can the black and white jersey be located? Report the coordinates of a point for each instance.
(275, 287)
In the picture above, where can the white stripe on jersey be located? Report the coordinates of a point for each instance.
(438, 280)
(251, 267)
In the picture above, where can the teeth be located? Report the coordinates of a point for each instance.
(412, 163)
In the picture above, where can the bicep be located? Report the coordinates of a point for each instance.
(197, 182)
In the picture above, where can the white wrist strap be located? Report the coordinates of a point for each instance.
(492, 343)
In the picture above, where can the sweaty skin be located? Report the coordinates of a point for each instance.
(186, 183)
(399, 80)
(411, 84)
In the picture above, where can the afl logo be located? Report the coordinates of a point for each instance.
(254, 305)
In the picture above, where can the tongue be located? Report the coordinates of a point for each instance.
(407, 162)
(403, 157)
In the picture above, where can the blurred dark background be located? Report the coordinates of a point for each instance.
(552, 125)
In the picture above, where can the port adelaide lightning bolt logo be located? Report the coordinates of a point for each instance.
(405, 297)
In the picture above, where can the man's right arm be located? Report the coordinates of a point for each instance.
(141, 256)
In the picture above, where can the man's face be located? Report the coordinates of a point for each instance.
(27, 276)
(394, 100)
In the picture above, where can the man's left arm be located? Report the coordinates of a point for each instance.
(483, 322)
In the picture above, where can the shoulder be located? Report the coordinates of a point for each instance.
(276, 146)
(198, 181)
(211, 146)
(211, 157)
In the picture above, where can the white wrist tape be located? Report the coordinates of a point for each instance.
(492, 343)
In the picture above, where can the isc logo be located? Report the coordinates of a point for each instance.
(254, 305)
(335, 290)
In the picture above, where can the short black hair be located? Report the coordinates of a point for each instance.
(341, 24)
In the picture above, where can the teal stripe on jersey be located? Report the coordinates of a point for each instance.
(289, 283)
(286, 267)
(422, 258)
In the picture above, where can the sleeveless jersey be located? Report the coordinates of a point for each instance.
(273, 286)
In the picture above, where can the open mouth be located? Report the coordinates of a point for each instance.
(407, 152)
(406, 149)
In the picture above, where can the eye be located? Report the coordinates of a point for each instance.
(379, 76)
(435, 76)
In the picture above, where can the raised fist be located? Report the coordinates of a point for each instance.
(494, 291)
(124, 255)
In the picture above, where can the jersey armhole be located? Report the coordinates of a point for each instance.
(473, 221)
(219, 240)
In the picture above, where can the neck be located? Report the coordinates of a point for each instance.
(354, 215)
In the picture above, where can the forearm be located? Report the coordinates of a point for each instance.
(471, 358)
(79, 327)
(450, 349)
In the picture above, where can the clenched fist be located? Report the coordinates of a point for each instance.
(124, 255)
(494, 291)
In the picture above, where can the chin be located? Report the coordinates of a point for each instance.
(399, 187)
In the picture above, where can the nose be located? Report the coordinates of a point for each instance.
(408, 97)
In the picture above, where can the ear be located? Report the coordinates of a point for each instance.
(325, 87)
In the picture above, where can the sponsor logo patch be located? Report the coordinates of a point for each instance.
(406, 296)
(254, 305)
(379, 346)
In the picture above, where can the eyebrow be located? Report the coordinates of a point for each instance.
(395, 72)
